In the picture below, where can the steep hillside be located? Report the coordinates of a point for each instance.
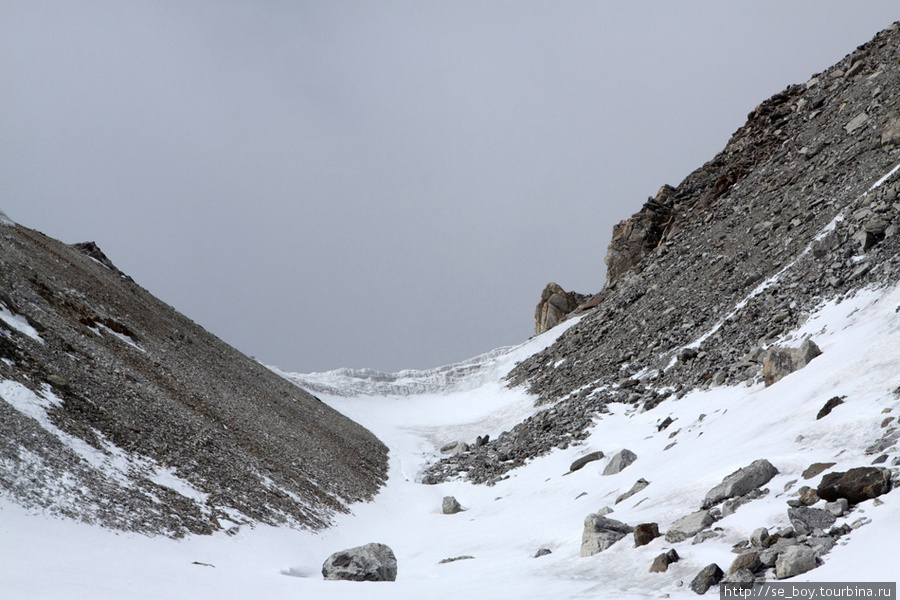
(118, 410)
(800, 207)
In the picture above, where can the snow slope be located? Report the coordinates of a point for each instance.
(539, 506)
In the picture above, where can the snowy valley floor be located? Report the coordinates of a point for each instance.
(538, 506)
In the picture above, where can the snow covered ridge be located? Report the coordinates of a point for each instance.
(464, 375)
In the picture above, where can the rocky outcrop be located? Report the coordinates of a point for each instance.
(637, 236)
(372, 562)
(554, 306)
(805, 520)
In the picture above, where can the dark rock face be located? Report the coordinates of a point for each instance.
(121, 372)
(372, 562)
(856, 485)
(758, 226)
(636, 237)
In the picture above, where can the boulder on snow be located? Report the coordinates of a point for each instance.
(619, 461)
(856, 485)
(600, 533)
(706, 578)
(580, 462)
(829, 406)
(372, 562)
(741, 482)
(645, 533)
(639, 485)
(794, 561)
(779, 362)
(450, 506)
(661, 563)
(688, 526)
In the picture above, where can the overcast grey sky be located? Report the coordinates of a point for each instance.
(378, 184)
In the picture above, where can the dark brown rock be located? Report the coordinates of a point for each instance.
(829, 406)
(645, 533)
(661, 563)
(747, 560)
(856, 485)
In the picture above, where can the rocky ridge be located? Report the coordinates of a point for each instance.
(117, 410)
(800, 207)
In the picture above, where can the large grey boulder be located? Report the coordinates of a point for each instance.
(688, 526)
(709, 576)
(600, 533)
(805, 520)
(619, 461)
(372, 562)
(779, 362)
(794, 561)
(741, 482)
(450, 506)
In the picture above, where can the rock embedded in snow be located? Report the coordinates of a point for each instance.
(661, 563)
(587, 458)
(741, 482)
(816, 469)
(794, 561)
(619, 461)
(600, 533)
(450, 506)
(639, 485)
(856, 485)
(542, 552)
(706, 578)
(371, 562)
(780, 362)
(688, 526)
(829, 406)
(645, 533)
